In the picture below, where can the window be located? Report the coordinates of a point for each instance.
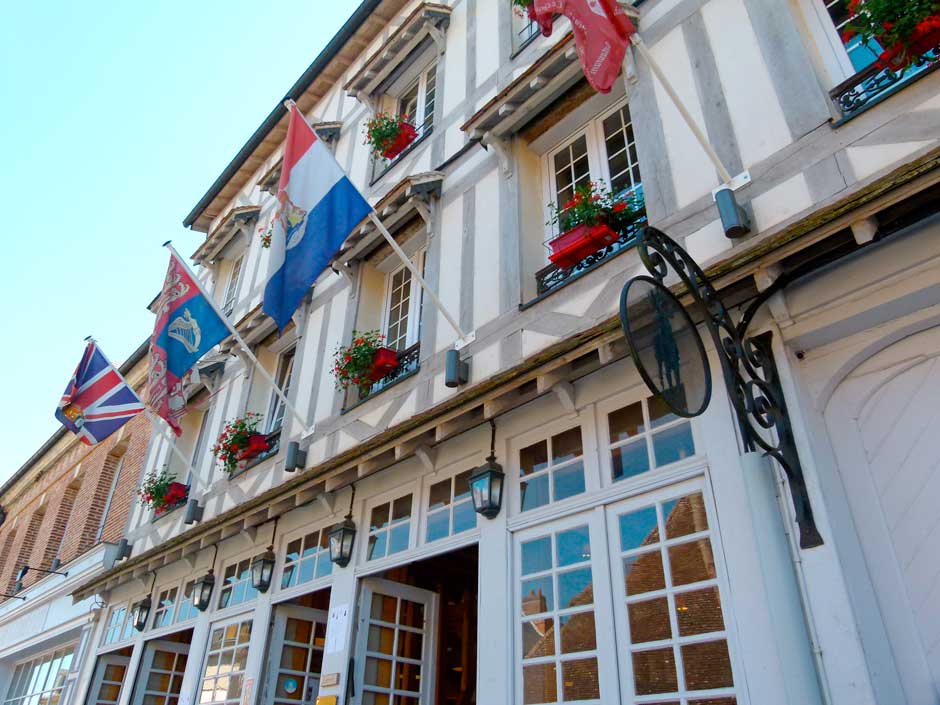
(236, 584)
(675, 632)
(551, 470)
(285, 368)
(645, 435)
(163, 614)
(450, 507)
(556, 618)
(307, 558)
(40, 681)
(231, 289)
(403, 307)
(199, 450)
(120, 626)
(604, 151)
(187, 610)
(226, 658)
(389, 528)
(860, 55)
(417, 101)
(524, 30)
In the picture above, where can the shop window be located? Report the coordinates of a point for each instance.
(166, 601)
(226, 658)
(556, 617)
(231, 288)
(120, 626)
(236, 584)
(450, 507)
(40, 680)
(276, 407)
(389, 528)
(187, 609)
(646, 435)
(675, 631)
(307, 558)
(551, 470)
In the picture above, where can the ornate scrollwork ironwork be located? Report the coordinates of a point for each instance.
(747, 366)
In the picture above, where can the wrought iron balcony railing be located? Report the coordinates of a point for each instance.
(407, 364)
(553, 276)
(874, 84)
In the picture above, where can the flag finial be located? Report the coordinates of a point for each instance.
(167, 243)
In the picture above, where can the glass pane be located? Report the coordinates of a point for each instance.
(660, 414)
(573, 546)
(379, 517)
(538, 638)
(293, 658)
(462, 485)
(412, 614)
(707, 666)
(377, 544)
(691, 562)
(578, 633)
(289, 687)
(534, 493)
(537, 595)
(375, 699)
(378, 672)
(465, 518)
(638, 528)
(163, 660)
(159, 682)
(408, 676)
(438, 525)
(109, 692)
(567, 445)
(629, 460)
(298, 630)
(384, 608)
(643, 573)
(579, 680)
(699, 612)
(655, 672)
(537, 555)
(649, 620)
(568, 481)
(240, 659)
(398, 538)
(410, 645)
(440, 495)
(401, 509)
(539, 684)
(673, 444)
(575, 587)
(685, 516)
(534, 458)
(626, 422)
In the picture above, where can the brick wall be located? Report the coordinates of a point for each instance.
(24, 551)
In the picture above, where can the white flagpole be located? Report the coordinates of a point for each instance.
(463, 338)
(241, 342)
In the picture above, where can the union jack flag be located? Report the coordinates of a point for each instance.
(97, 400)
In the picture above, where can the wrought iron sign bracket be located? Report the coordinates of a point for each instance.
(747, 366)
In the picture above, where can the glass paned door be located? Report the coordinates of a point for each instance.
(669, 605)
(296, 655)
(161, 673)
(395, 646)
(108, 680)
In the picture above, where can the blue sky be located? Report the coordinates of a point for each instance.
(114, 120)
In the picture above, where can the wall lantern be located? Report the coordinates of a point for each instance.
(141, 613)
(262, 566)
(202, 591)
(486, 482)
(343, 536)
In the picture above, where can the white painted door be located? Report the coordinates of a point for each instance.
(884, 422)
(670, 606)
(161, 673)
(108, 680)
(395, 644)
(296, 655)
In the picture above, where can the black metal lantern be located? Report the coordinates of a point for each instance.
(262, 569)
(141, 613)
(202, 591)
(342, 537)
(486, 483)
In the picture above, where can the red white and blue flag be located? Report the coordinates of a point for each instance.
(319, 208)
(97, 400)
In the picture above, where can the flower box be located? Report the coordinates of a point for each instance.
(575, 244)
(384, 360)
(256, 444)
(924, 39)
(406, 135)
(176, 494)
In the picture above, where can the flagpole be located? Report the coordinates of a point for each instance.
(463, 338)
(251, 356)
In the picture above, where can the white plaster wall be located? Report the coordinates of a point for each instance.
(486, 238)
(451, 239)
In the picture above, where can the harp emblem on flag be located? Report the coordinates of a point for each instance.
(185, 329)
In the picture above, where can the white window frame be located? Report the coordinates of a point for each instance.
(222, 624)
(598, 165)
(276, 407)
(171, 609)
(121, 629)
(415, 302)
(421, 119)
(524, 31)
(426, 512)
(413, 520)
(235, 560)
(178, 616)
(231, 288)
(23, 690)
(314, 584)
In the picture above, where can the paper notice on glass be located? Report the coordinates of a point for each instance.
(246, 691)
(336, 629)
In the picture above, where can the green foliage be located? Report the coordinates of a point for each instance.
(593, 204)
(154, 488)
(234, 438)
(382, 131)
(351, 363)
(901, 27)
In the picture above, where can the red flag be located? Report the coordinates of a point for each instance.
(602, 31)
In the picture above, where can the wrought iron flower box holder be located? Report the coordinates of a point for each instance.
(747, 367)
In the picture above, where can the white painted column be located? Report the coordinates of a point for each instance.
(133, 666)
(339, 645)
(83, 664)
(495, 620)
(192, 677)
(257, 648)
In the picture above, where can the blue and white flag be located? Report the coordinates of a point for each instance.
(319, 208)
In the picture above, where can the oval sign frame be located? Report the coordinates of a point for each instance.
(635, 354)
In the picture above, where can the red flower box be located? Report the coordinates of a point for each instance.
(176, 494)
(406, 135)
(574, 245)
(257, 444)
(383, 361)
(924, 38)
